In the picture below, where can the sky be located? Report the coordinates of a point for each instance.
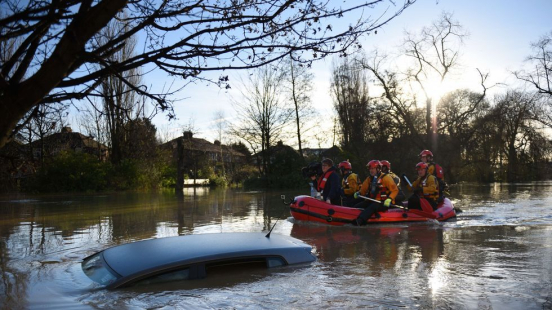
(500, 37)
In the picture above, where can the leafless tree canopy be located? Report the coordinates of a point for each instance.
(48, 54)
(539, 75)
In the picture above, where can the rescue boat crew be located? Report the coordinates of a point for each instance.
(386, 168)
(426, 186)
(426, 156)
(328, 185)
(349, 184)
(379, 186)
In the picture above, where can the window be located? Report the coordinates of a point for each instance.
(95, 268)
(175, 275)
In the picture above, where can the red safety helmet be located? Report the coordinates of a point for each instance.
(421, 165)
(345, 165)
(373, 164)
(426, 153)
(386, 164)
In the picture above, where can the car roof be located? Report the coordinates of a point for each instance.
(158, 254)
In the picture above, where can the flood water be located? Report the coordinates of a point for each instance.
(497, 254)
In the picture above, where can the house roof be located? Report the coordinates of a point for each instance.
(71, 138)
(202, 145)
(13, 148)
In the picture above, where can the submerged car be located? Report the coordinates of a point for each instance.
(191, 257)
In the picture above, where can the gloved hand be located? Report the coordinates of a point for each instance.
(356, 195)
(387, 202)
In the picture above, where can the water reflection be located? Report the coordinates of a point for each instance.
(497, 254)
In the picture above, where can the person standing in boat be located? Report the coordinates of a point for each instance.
(426, 156)
(349, 184)
(379, 186)
(328, 185)
(386, 168)
(425, 187)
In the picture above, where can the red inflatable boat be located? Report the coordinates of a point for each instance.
(306, 208)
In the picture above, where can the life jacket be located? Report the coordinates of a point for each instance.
(395, 178)
(323, 179)
(434, 196)
(382, 192)
(352, 186)
(440, 175)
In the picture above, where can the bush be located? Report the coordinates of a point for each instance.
(70, 171)
(124, 176)
(80, 172)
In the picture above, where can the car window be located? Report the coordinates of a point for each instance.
(175, 275)
(95, 268)
(275, 262)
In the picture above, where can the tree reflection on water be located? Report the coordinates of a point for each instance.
(496, 254)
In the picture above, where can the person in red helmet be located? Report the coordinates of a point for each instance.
(386, 168)
(349, 184)
(425, 187)
(379, 186)
(426, 156)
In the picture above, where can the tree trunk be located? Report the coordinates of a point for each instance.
(179, 186)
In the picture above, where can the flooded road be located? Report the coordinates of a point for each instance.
(497, 254)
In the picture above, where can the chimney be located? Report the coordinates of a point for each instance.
(187, 134)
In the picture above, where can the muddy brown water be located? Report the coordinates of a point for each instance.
(497, 254)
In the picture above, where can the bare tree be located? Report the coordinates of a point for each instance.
(540, 74)
(220, 126)
(120, 100)
(541, 61)
(43, 121)
(92, 123)
(435, 52)
(349, 90)
(262, 114)
(514, 117)
(56, 59)
(298, 83)
(402, 106)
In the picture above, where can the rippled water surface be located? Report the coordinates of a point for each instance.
(497, 254)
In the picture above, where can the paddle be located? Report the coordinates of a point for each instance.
(407, 180)
(415, 211)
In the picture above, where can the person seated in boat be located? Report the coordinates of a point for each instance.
(425, 187)
(426, 156)
(386, 168)
(349, 184)
(379, 186)
(328, 185)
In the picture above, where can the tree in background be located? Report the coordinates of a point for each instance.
(55, 58)
(401, 105)
(221, 126)
(540, 75)
(262, 113)
(121, 101)
(515, 116)
(298, 85)
(349, 91)
(458, 112)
